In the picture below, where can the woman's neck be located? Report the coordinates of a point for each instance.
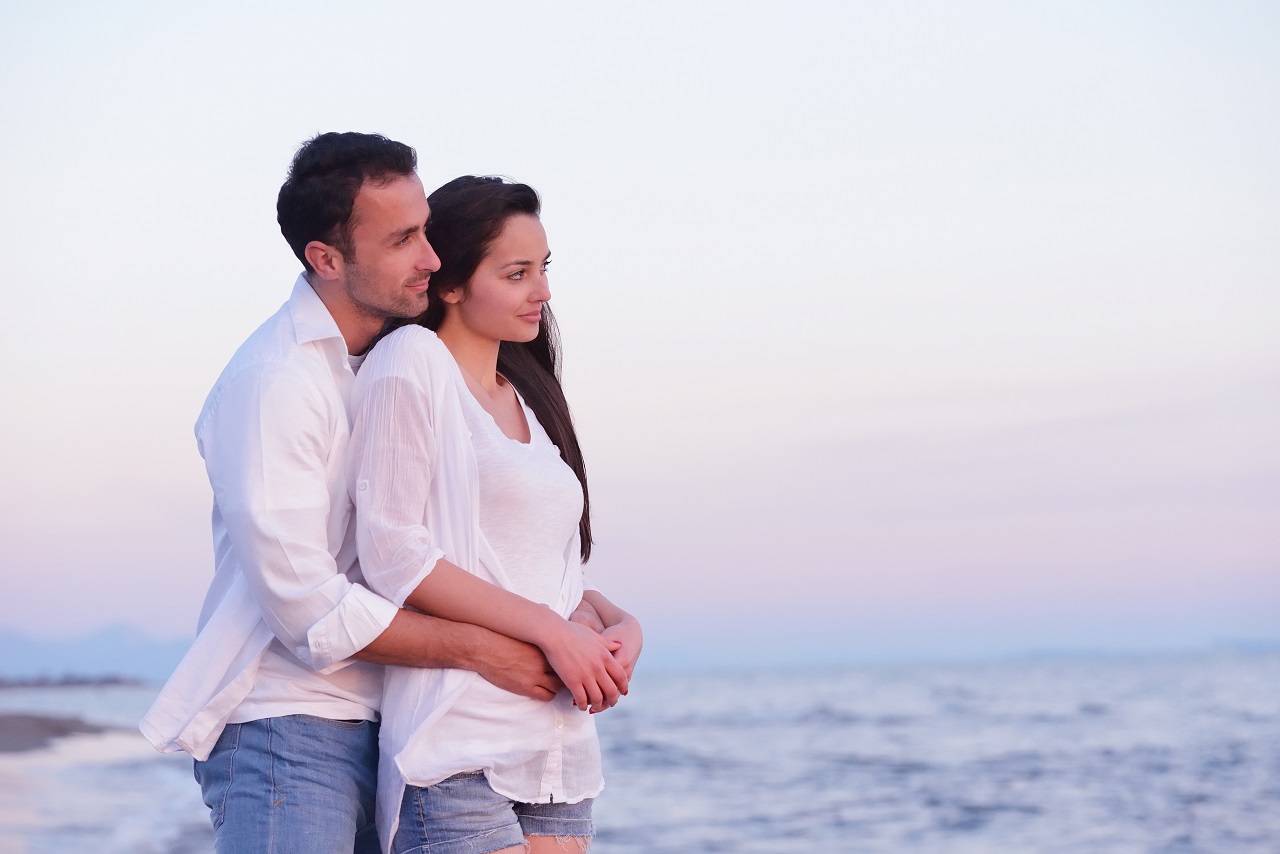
(477, 356)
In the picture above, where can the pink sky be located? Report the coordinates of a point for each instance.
(889, 331)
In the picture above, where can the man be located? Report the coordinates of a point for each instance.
(278, 697)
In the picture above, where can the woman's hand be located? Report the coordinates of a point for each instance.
(630, 639)
(584, 662)
(618, 626)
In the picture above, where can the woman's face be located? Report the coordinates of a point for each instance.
(503, 299)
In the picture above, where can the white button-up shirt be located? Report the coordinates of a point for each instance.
(415, 480)
(287, 607)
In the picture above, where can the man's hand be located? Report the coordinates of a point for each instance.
(518, 667)
(419, 640)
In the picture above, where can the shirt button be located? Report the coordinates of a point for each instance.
(559, 723)
(362, 485)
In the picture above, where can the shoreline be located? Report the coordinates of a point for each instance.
(69, 785)
(23, 733)
(68, 680)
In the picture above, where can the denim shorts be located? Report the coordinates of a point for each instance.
(293, 785)
(463, 815)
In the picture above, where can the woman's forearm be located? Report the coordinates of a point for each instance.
(449, 591)
(619, 626)
(581, 658)
(610, 614)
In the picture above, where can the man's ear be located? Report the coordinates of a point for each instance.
(326, 260)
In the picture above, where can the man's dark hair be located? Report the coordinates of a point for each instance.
(317, 198)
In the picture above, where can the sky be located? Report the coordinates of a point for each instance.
(892, 330)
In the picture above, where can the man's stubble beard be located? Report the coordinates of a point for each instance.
(358, 291)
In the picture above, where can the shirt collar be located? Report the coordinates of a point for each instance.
(311, 320)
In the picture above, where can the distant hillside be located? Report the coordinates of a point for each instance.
(116, 651)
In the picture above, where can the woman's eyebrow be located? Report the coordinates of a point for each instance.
(523, 263)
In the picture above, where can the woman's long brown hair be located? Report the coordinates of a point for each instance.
(467, 215)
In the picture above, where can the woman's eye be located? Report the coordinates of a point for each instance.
(516, 276)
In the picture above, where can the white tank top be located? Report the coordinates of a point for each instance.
(530, 501)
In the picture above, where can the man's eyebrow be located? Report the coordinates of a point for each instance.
(405, 232)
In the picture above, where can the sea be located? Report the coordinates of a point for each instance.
(1053, 754)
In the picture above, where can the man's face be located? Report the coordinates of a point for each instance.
(390, 262)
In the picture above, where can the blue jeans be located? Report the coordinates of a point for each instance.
(292, 785)
(463, 815)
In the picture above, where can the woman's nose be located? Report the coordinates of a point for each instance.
(429, 260)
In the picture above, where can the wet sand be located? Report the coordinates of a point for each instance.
(21, 733)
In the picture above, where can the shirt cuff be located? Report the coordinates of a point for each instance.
(360, 617)
(410, 584)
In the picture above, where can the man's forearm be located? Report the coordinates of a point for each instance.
(418, 640)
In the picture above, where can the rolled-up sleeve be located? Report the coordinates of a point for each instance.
(268, 445)
(393, 443)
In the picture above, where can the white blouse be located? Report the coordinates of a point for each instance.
(430, 474)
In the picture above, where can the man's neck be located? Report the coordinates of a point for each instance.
(358, 327)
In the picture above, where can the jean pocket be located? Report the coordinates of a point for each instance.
(330, 722)
(215, 774)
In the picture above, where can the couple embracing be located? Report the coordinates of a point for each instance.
(400, 520)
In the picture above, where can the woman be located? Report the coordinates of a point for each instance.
(471, 504)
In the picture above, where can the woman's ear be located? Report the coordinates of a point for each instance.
(452, 297)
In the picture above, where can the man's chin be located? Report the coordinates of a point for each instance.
(411, 310)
